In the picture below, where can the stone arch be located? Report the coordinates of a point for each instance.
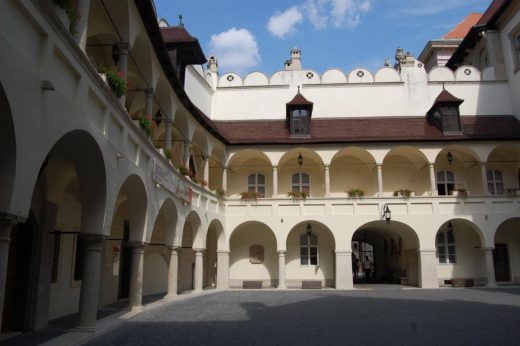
(507, 248)
(406, 167)
(392, 247)
(464, 165)
(244, 163)
(323, 271)
(506, 159)
(8, 143)
(460, 257)
(312, 165)
(192, 238)
(215, 241)
(257, 237)
(353, 168)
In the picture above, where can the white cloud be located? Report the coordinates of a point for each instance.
(282, 24)
(236, 50)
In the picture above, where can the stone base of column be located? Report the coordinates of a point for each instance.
(85, 328)
(170, 297)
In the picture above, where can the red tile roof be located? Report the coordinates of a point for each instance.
(462, 29)
(445, 96)
(176, 34)
(387, 129)
(299, 100)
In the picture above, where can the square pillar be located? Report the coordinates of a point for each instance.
(490, 267)
(281, 270)
(428, 269)
(344, 280)
(275, 182)
(223, 269)
(327, 181)
(433, 183)
(380, 179)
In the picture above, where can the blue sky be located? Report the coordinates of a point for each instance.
(251, 36)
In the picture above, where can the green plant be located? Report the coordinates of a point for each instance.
(248, 196)
(406, 193)
(462, 193)
(355, 192)
(145, 123)
(194, 178)
(183, 170)
(220, 192)
(168, 154)
(116, 81)
(295, 195)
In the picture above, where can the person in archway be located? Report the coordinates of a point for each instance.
(355, 266)
(367, 267)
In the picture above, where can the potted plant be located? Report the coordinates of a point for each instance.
(355, 192)
(168, 154)
(296, 195)
(405, 193)
(220, 192)
(116, 81)
(145, 123)
(182, 170)
(249, 196)
(462, 193)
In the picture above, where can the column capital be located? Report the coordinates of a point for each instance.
(488, 249)
(173, 249)
(199, 251)
(343, 253)
(148, 91)
(95, 242)
(124, 47)
(223, 252)
(137, 246)
(168, 121)
(327, 166)
(275, 166)
(281, 252)
(427, 251)
(14, 219)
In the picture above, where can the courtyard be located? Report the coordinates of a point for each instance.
(383, 315)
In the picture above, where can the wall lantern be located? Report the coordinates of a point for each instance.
(450, 157)
(309, 230)
(387, 214)
(300, 159)
(158, 118)
(450, 227)
(115, 53)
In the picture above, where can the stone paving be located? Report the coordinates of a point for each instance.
(384, 316)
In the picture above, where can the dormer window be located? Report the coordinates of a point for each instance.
(299, 111)
(445, 113)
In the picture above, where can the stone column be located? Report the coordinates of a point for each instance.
(483, 169)
(90, 281)
(327, 181)
(380, 179)
(433, 184)
(344, 278)
(81, 28)
(148, 102)
(281, 269)
(490, 267)
(428, 269)
(275, 182)
(173, 272)
(187, 153)
(124, 48)
(222, 269)
(224, 179)
(136, 280)
(5, 238)
(199, 269)
(168, 133)
(206, 169)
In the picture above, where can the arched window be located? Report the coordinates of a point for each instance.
(300, 182)
(256, 183)
(446, 247)
(445, 182)
(309, 249)
(495, 182)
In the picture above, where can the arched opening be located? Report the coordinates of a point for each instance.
(386, 252)
(186, 277)
(128, 222)
(457, 168)
(406, 168)
(310, 255)
(460, 257)
(216, 167)
(308, 177)
(215, 240)
(8, 143)
(506, 256)
(253, 258)
(156, 254)
(353, 168)
(244, 168)
(68, 204)
(503, 166)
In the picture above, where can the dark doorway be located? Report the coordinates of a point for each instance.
(126, 263)
(500, 257)
(16, 302)
(364, 253)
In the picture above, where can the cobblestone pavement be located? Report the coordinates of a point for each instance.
(327, 317)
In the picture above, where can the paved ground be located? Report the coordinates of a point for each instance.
(328, 317)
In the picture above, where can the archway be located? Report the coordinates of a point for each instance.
(461, 260)
(457, 167)
(353, 168)
(506, 255)
(310, 257)
(68, 204)
(406, 167)
(389, 253)
(253, 259)
(215, 240)
(186, 277)
(250, 170)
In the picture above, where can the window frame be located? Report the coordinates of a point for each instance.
(254, 187)
(514, 38)
(445, 183)
(308, 247)
(493, 182)
(301, 185)
(446, 245)
(300, 119)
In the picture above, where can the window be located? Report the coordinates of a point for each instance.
(495, 182)
(299, 122)
(446, 247)
(515, 47)
(256, 183)
(445, 182)
(309, 249)
(300, 182)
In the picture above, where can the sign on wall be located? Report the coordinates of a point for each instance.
(171, 182)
